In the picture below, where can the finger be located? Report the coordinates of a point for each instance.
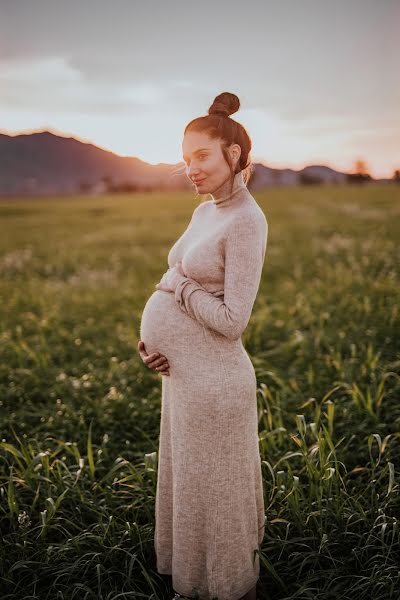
(151, 357)
(163, 367)
(141, 348)
(156, 363)
(150, 364)
(160, 361)
(164, 372)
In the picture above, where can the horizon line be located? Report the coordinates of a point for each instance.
(255, 160)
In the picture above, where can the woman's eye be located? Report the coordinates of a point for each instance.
(201, 156)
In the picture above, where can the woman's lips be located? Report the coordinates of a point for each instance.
(199, 181)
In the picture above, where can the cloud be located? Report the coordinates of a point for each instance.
(52, 84)
(46, 70)
(55, 85)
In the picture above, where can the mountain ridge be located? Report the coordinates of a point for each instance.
(44, 163)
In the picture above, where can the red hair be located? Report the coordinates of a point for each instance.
(218, 125)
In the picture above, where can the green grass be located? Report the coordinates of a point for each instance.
(79, 412)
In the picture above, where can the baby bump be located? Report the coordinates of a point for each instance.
(203, 358)
(164, 327)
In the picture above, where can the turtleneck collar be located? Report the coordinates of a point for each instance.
(226, 199)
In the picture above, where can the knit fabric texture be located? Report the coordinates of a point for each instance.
(209, 507)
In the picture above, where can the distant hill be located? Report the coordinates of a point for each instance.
(43, 163)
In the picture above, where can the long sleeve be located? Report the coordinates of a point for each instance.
(245, 248)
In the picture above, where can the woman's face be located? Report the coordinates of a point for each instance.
(206, 166)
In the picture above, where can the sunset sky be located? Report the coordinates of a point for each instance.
(318, 80)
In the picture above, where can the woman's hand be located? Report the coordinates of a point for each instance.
(169, 280)
(156, 361)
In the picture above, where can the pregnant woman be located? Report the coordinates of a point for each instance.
(209, 521)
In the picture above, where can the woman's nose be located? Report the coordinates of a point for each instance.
(191, 171)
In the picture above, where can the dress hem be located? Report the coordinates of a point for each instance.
(242, 592)
(164, 571)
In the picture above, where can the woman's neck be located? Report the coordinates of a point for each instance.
(223, 195)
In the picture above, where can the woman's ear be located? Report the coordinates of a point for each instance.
(235, 152)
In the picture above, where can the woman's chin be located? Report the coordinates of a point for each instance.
(203, 188)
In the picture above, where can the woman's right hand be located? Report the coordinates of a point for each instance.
(156, 361)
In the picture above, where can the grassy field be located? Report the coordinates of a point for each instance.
(79, 412)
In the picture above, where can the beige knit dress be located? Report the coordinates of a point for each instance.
(209, 508)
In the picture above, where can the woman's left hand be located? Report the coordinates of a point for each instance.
(169, 280)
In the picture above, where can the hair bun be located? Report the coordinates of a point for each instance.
(224, 104)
